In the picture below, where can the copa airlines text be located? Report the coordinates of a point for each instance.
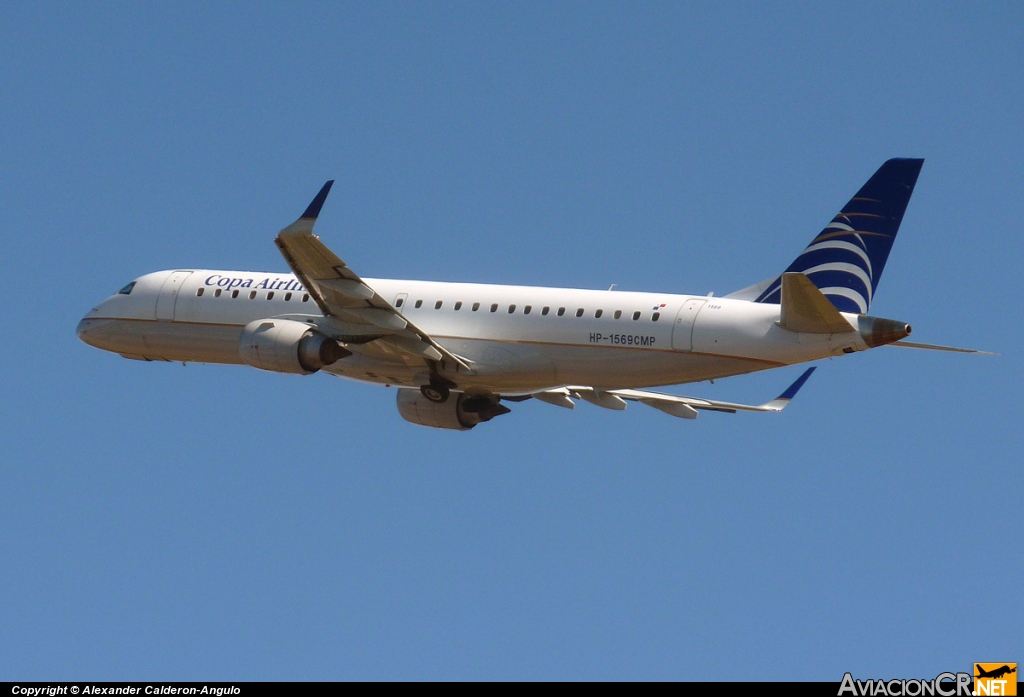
(460, 352)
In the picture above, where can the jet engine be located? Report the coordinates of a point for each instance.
(286, 346)
(461, 413)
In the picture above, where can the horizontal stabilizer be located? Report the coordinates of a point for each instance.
(805, 309)
(935, 347)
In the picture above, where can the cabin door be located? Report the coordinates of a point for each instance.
(682, 330)
(169, 295)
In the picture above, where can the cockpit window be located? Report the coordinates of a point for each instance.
(127, 289)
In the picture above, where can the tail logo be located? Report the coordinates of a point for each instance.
(847, 258)
(837, 262)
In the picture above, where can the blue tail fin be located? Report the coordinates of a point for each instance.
(846, 259)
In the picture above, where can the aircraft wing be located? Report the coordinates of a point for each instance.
(675, 405)
(358, 312)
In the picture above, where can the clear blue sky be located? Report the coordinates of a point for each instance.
(212, 522)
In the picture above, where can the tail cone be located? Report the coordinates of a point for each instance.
(878, 332)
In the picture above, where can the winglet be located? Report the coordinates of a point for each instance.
(304, 225)
(780, 402)
(313, 209)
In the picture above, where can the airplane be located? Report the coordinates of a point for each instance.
(459, 352)
(995, 673)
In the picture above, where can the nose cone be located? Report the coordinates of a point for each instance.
(86, 329)
(82, 330)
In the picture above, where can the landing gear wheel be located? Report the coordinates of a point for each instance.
(436, 393)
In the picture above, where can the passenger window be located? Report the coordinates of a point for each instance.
(618, 313)
(458, 305)
(579, 312)
(437, 305)
(127, 289)
(511, 309)
(655, 316)
(398, 303)
(476, 306)
(287, 297)
(636, 315)
(494, 307)
(305, 297)
(199, 293)
(545, 310)
(419, 304)
(561, 311)
(270, 295)
(526, 310)
(234, 294)
(252, 295)
(216, 293)
(598, 313)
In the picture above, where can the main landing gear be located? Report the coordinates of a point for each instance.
(436, 392)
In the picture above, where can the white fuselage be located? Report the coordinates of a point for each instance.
(519, 338)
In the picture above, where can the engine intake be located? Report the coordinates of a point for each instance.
(287, 346)
(461, 412)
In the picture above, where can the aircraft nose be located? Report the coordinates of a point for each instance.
(84, 325)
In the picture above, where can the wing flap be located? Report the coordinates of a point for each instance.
(559, 397)
(672, 408)
(600, 398)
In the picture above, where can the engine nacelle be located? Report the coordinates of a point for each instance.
(286, 346)
(461, 412)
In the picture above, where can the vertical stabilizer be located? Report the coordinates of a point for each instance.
(845, 261)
